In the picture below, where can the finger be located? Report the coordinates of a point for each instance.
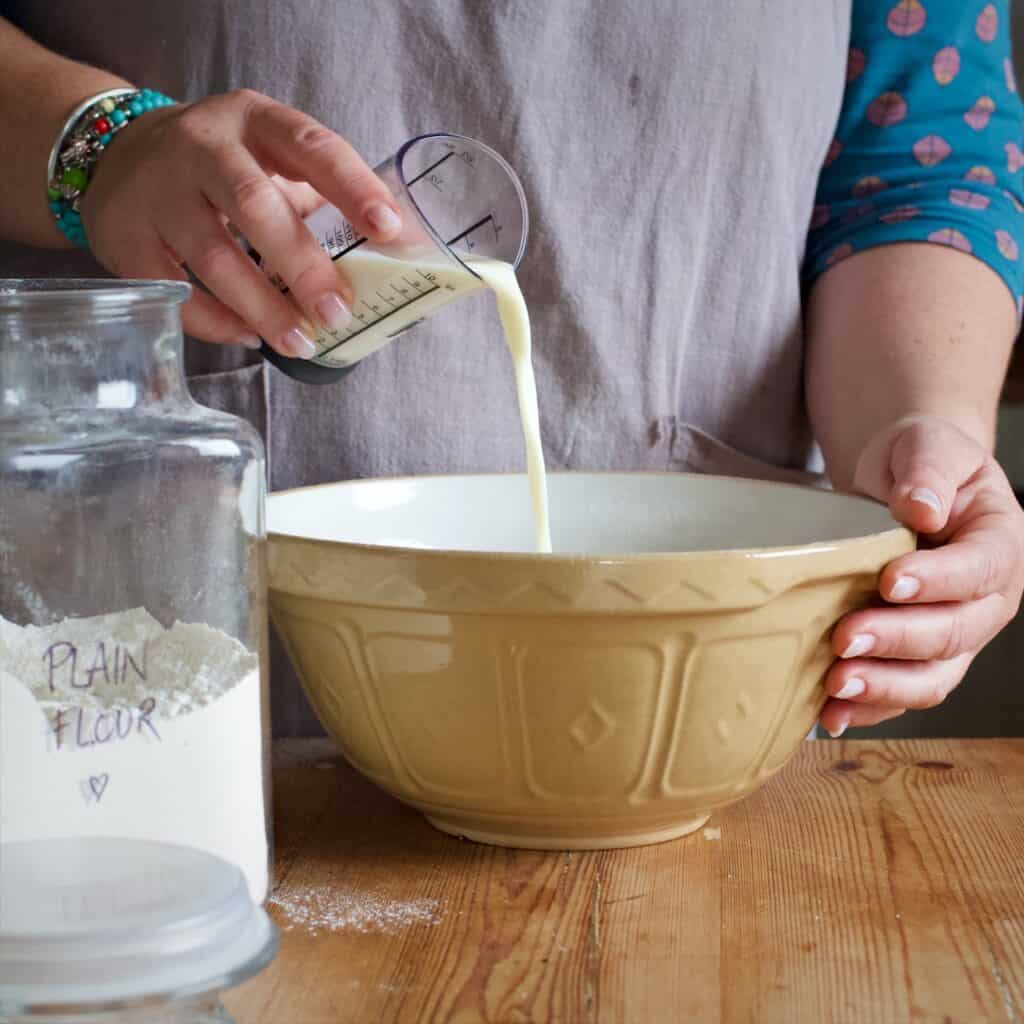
(839, 715)
(929, 463)
(237, 186)
(198, 235)
(207, 318)
(299, 147)
(895, 684)
(304, 198)
(921, 632)
(965, 570)
(202, 316)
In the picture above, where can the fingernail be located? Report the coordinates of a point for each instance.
(905, 588)
(860, 644)
(299, 343)
(838, 731)
(250, 341)
(852, 688)
(924, 496)
(383, 219)
(332, 311)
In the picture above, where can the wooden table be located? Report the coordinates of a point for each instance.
(869, 882)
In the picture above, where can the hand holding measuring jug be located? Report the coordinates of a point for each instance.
(464, 220)
(162, 199)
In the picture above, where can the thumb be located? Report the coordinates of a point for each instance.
(929, 462)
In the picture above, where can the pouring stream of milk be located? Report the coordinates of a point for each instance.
(392, 293)
(515, 321)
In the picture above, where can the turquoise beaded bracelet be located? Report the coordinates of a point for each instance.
(90, 129)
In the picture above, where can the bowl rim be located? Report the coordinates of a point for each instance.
(590, 558)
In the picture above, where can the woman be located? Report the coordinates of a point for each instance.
(676, 157)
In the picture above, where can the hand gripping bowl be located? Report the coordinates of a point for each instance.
(666, 662)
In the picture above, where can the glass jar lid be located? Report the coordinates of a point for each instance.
(91, 923)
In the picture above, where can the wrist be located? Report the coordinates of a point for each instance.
(845, 461)
(978, 425)
(28, 217)
(90, 128)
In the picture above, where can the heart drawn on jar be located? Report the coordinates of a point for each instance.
(98, 785)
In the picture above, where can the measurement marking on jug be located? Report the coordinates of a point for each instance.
(378, 316)
(432, 167)
(473, 227)
(355, 245)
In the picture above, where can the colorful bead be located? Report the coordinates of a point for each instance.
(75, 176)
(92, 133)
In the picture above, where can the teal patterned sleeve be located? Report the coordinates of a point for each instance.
(928, 143)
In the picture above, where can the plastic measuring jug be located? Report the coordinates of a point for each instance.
(459, 201)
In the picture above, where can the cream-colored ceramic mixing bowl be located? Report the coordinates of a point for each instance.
(666, 662)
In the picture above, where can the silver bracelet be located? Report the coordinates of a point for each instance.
(113, 94)
(91, 127)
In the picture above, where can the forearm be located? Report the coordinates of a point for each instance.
(901, 330)
(38, 90)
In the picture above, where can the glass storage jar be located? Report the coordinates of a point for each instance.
(133, 645)
(124, 931)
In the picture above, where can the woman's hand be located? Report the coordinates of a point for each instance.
(163, 194)
(944, 602)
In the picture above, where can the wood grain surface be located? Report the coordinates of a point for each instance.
(870, 881)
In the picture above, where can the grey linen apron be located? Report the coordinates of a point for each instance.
(670, 153)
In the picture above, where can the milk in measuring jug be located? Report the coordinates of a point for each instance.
(403, 292)
(391, 294)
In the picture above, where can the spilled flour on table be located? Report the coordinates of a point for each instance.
(330, 910)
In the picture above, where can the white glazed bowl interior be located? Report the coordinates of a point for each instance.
(591, 513)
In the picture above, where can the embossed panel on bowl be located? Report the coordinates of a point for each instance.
(322, 655)
(439, 695)
(587, 714)
(733, 690)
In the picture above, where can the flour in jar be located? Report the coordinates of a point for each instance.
(113, 725)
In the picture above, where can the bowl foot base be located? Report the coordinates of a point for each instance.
(526, 841)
